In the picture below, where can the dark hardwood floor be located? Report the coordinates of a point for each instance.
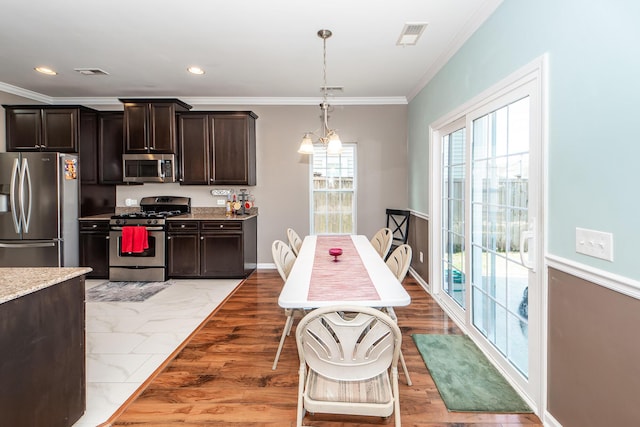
(222, 376)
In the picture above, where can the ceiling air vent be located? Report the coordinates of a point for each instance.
(91, 71)
(411, 33)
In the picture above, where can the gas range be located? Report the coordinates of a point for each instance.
(147, 264)
(144, 218)
(154, 211)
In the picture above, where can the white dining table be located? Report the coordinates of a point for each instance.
(299, 284)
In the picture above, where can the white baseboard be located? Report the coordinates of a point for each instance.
(419, 279)
(267, 266)
(549, 421)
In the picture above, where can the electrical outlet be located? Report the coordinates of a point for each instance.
(597, 244)
(220, 202)
(421, 257)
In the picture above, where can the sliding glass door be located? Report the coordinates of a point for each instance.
(488, 218)
(453, 259)
(499, 222)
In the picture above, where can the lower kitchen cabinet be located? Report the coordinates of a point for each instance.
(212, 249)
(221, 249)
(94, 248)
(183, 248)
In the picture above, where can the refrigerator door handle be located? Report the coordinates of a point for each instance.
(12, 197)
(27, 245)
(25, 177)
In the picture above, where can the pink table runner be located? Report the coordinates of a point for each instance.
(344, 280)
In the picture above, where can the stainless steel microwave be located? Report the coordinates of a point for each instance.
(149, 167)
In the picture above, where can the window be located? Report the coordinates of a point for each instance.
(333, 191)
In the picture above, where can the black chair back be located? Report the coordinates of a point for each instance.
(398, 222)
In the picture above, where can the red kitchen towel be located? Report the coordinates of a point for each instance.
(135, 239)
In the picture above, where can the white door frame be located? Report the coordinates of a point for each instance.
(535, 73)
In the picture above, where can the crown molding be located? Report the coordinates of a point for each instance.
(216, 100)
(478, 18)
(35, 96)
(204, 100)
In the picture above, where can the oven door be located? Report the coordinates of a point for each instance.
(148, 265)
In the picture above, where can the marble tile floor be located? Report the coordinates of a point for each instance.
(127, 341)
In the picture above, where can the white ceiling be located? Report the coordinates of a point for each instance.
(253, 51)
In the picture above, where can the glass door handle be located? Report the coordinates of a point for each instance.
(528, 236)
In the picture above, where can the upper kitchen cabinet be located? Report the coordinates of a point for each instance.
(149, 125)
(217, 147)
(110, 147)
(49, 128)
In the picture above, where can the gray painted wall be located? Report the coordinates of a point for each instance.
(282, 192)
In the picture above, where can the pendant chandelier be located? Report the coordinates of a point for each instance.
(329, 138)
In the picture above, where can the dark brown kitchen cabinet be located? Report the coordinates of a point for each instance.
(212, 249)
(217, 148)
(100, 163)
(48, 128)
(42, 349)
(110, 147)
(94, 248)
(149, 125)
(228, 248)
(183, 249)
(221, 251)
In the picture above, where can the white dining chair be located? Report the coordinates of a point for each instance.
(295, 242)
(348, 363)
(284, 258)
(381, 241)
(398, 262)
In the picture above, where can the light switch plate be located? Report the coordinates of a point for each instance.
(221, 202)
(594, 243)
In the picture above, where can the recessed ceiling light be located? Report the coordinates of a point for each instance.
(45, 70)
(195, 70)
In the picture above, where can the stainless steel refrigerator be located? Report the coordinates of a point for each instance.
(38, 209)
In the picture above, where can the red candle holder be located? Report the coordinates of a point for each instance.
(335, 252)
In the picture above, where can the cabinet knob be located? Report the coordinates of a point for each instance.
(168, 237)
(221, 226)
(201, 237)
(107, 237)
(94, 226)
(182, 225)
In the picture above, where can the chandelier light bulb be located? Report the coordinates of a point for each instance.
(329, 138)
(334, 146)
(306, 146)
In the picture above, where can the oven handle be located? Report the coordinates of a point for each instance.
(148, 228)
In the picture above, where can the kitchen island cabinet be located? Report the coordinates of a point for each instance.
(42, 346)
(217, 148)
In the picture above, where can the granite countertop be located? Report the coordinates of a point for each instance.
(16, 282)
(199, 214)
(203, 216)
